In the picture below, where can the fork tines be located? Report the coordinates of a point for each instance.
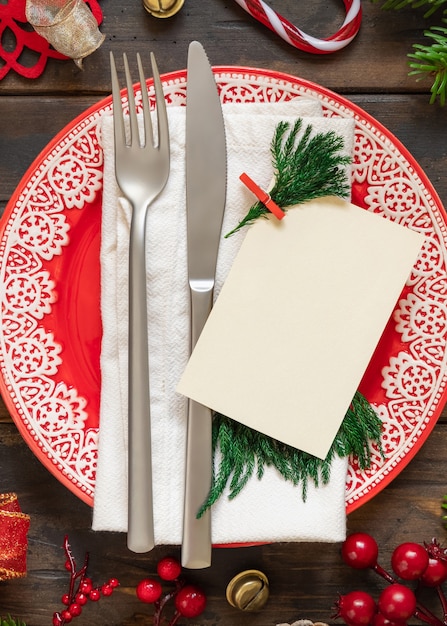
(162, 128)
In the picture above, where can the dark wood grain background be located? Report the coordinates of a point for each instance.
(373, 73)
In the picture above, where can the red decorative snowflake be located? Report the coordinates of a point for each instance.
(20, 44)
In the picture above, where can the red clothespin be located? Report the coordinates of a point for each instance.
(262, 196)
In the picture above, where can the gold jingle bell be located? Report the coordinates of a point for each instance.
(163, 8)
(248, 591)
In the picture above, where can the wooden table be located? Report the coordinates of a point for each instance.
(372, 72)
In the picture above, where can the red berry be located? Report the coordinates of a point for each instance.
(66, 616)
(435, 573)
(75, 609)
(190, 601)
(356, 608)
(86, 585)
(65, 599)
(360, 551)
(57, 620)
(169, 568)
(106, 590)
(94, 595)
(81, 598)
(397, 602)
(148, 590)
(409, 560)
(381, 620)
(113, 582)
(67, 565)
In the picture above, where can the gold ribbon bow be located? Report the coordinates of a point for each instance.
(68, 25)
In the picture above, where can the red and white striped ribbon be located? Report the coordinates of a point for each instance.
(296, 37)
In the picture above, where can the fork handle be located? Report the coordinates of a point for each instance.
(140, 534)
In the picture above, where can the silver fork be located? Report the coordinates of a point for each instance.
(141, 170)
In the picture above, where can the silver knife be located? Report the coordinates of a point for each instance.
(206, 181)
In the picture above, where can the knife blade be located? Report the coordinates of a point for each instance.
(206, 178)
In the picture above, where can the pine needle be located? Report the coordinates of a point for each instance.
(432, 60)
(244, 452)
(428, 60)
(413, 4)
(306, 168)
(9, 621)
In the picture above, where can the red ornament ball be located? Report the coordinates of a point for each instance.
(190, 601)
(149, 590)
(169, 568)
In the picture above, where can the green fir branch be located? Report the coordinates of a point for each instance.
(428, 60)
(432, 60)
(245, 452)
(9, 621)
(433, 5)
(305, 167)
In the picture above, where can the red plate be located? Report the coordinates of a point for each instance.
(50, 328)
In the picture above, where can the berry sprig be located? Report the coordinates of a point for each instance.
(80, 589)
(426, 565)
(189, 600)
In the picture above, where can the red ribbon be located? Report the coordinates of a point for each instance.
(14, 527)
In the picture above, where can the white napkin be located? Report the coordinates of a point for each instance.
(267, 510)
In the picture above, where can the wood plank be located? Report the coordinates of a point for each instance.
(305, 578)
(4, 413)
(375, 61)
(410, 118)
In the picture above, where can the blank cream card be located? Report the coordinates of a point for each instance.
(298, 318)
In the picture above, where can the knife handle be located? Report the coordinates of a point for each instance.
(196, 541)
(140, 534)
